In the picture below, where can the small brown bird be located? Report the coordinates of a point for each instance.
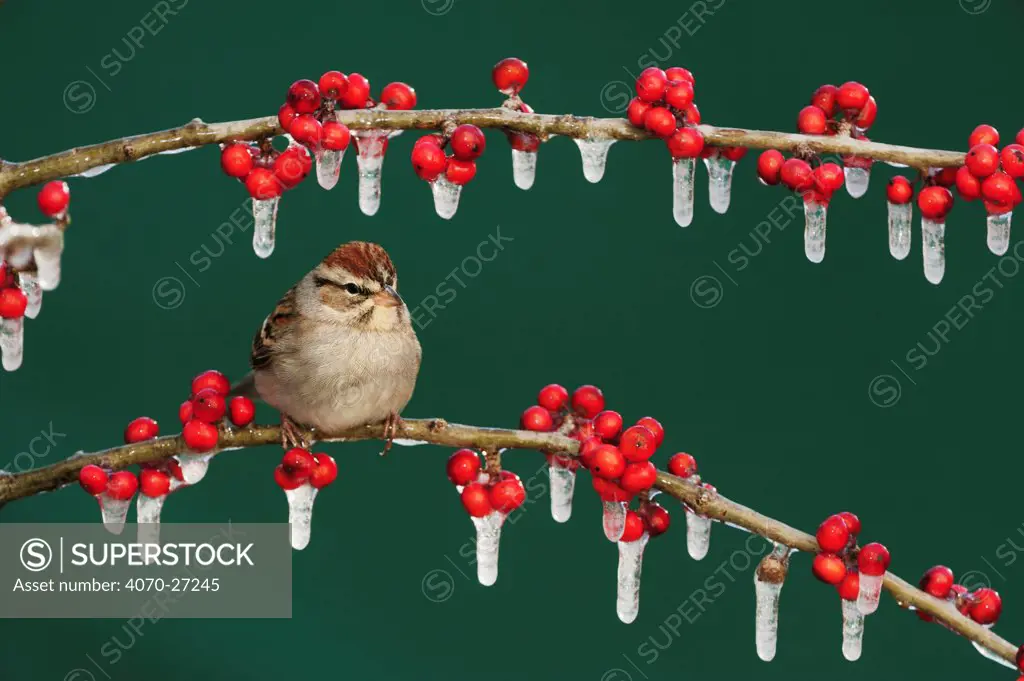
(339, 350)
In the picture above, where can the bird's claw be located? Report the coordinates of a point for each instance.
(295, 435)
(390, 429)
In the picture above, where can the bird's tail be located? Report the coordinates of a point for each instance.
(245, 387)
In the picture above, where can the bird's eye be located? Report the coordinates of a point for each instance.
(351, 288)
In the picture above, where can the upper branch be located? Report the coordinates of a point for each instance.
(440, 432)
(80, 159)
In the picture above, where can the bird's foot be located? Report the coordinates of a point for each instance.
(295, 434)
(391, 424)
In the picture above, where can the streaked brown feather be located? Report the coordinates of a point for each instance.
(275, 323)
(365, 260)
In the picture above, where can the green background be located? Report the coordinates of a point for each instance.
(769, 387)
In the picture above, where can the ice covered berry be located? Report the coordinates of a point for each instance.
(298, 463)
(236, 160)
(199, 435)
(208, 405)
(325, 471)
(507, 495)
(769, 166)
(154, 483)
(510, 75)
(829, 568)
(53, 198)
(682, 465)
(93, 479)
(303, 96)
(937, 581)
(899, 190)
(536, 418)
(398, 96)
(463, 467)
(140, 429)
(476, 500)
(241, 410)
(12, 303)
(873, 559)
(468, 142)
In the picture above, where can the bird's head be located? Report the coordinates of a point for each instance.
(357, 285)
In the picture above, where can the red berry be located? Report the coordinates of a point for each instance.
(983, 134)
(357, 93)
(609, 491)
(324, 472)
(587, 449)
(935, 203)
(208, 405)
(536, 418)
(852, 522)
(398, 96)
(236, 160)
(682, 465)
(852, 96)
(285, 115)
(263, 185)
(1000, 188)
(833, 534)
(608, 424)
(304, 96)
(651, 84)
(679, 73)
(307, 131)
(685, 142)
(638, 476)
(523, 141)
(292, 165)
(659, 121)
(654, 425)
(333, 84)
(692, 115)
(849, 588)
(967, 184)
(636, 111)
(285, 480)
(199, 435)
(638, 443)
(53, 198)
(553, 397)
(945, 177)
(769, 166)
(468, 142)
(507, 495)
(185, 412)
(476, 500)
(634, 527)
(460, 172)
(986, 606)
(829, 568)
(657, 519)
(873, 559)
(298, 463)
(93, 479)
(510, 75)
(241, 410)
(428, 161)
(679, 95)
(463, 467)
(1012, 157)
(733, 153)
(812, 120)
(12, 303)
(607, 462)
(937, 581)
(142, 428)
(154, 483)
(899, 190)
(828, 177)
(825, 99)
(982, 160)
(797, 175)
(336, 136)
(588, 401)
(867, 114)
(122, 485)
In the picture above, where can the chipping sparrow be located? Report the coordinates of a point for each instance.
(338, 351)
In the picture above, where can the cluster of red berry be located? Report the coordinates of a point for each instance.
(841, 561)
(119, 485)
(847, 108)
(299, 466)
(484, 492)
(206, 406)
(429, 160)
(664, 107)
(509, 76)
(618, 460)
(989, 174)
(982, 605)
(815, 184)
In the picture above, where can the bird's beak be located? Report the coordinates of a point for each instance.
(388, 297)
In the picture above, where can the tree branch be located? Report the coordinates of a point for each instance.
(440, 432)
(80, 159)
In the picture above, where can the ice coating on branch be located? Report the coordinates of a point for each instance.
(524, 168)
(12, 339)
(719, 181)
(193, 466)
(29, 284)
(933, 248)
(328, 167)
(488, 541)
(147, 515)
(114, 512)
(698, 535)
(988, 654)
(769, 577)
(857, 180)
(869, 594)
(563, 482)
(614, 519)
(683, 176)
(631, 558)
(93, 172)
(999, 232)
(264, 217)
(853, 630)
(815, 221)
(300, 514)
(446, 196)
(595, 156)
(370, 145)
(900, 228)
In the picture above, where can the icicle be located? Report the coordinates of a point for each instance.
(563, 482)
(853, 630)
(815, 219)
(193, 466)
(446, 196)
(768, 580)
(595, 156)
(300, 514)
(524, 168)
(933, 247)
(614, 519)
(683, 177)
(488, 539)
(12, 338)
(857, 180)
(698, 535)
(900, 216)
(631, 558)
(328, 167)
(147, 515)
(264, 214)
(93, 172)
(370, 145)
(29, 284)
(869, 594)
(999, 232)
(719, 181)
(986, 653)
(114, 512)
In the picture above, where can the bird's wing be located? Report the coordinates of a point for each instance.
(276, 324)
